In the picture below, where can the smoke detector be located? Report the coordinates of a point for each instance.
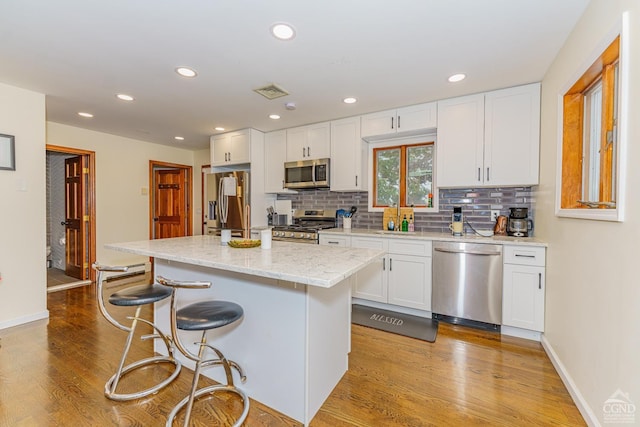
(271, 91)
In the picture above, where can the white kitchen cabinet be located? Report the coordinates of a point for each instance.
(371, 283)
(231, 148)
(309, 142)
(335, 240)
(411, 119)
(275, 155)
(523, 287)
(402, 278)
(347, 172)
(489, 140)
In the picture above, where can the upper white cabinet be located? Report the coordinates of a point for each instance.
(231, 148)
(275, 154)
(309, 142)
(410, 119)
(490, 139)
(346, 156)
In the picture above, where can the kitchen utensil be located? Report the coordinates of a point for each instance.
(353, 210)
(500, 229)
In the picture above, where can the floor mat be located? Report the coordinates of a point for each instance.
(398, 323)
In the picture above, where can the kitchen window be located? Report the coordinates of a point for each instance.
(403, 174)
(593, 119)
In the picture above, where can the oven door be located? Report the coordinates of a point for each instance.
(307, 174)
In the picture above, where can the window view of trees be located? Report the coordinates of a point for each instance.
(403, 174)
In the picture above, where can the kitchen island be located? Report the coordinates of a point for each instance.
(294, 339)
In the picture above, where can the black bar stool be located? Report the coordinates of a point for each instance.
(203, 316)
(135, 296)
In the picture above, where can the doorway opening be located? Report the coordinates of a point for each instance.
(71, 227)
(171, 200)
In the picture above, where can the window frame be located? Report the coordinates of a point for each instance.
(566, 154)
(429, 138)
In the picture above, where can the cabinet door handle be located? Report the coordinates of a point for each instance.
(225, 157)
(525, 256)
(229, 155)
(333, 242)
(478, 174)
(390, 264)
(309, 151)
(398, 122)
(391, 122)
(356, 180)
(283, 184)
(488, 175)
(304, 151)
(384, 264)
(539, 280)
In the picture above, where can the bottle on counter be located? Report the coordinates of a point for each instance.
(411, 224)
(430, 200)
(391, 225)
(405, 224)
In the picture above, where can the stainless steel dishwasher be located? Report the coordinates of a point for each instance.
(467, 283)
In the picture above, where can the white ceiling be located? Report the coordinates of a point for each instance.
(80, 53)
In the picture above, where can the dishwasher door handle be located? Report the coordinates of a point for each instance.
(461, 251)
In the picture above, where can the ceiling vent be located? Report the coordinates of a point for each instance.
(271, 91)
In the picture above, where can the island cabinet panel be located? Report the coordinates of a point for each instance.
(371, 283)
(523, 288)
(291, 361)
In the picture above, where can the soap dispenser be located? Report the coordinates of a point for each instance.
(405, 224)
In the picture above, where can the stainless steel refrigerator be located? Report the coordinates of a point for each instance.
(227, 199)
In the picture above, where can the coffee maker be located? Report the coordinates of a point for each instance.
(457, 222)
(519, 223)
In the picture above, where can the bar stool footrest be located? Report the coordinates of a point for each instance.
(210, 390)
(111, 394)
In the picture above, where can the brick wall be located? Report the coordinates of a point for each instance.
(476, 206)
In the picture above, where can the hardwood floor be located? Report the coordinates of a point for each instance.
(53, 373)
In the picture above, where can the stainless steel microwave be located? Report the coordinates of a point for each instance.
(307, 174)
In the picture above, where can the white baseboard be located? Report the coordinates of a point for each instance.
(520, 333)
(584, 408)
(25, 319)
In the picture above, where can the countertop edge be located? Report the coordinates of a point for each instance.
(445, 237)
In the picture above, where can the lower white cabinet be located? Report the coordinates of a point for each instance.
(523, 287)
(335, 240)
(402, 278)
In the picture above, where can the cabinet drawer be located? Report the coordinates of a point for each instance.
(524, 255)
(410, 247)
(332, 240)
(369, 243)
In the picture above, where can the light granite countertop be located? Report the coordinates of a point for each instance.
(307, 264)
(442, 237)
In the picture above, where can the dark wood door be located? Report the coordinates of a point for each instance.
(76, 218)
(170, 203)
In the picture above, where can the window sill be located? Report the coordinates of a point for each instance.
(614, 215)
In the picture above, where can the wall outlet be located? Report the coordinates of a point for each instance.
(495, 213)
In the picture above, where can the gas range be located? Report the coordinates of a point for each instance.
(305, 227)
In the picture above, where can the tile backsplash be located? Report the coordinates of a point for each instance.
(476, 206)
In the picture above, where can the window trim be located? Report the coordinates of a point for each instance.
(619, 171)
(393, 142)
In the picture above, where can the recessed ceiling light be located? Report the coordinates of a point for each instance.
(283, 31)
(179, 138)
(124, 97)
(457, 77)
(87, 115)
(274, 116)
(219, 128)
(186, 72)
(349, 100)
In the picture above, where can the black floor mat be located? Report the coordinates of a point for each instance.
(398, 323)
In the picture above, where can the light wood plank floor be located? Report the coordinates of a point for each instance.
(53, 373)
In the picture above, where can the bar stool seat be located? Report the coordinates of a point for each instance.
(135, 296)
(203, 316)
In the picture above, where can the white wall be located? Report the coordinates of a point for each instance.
(201, 158)
(22, 210)
(593, 285)
(122, 171)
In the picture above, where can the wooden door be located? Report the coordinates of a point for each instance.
(169, 203)
(76, 218)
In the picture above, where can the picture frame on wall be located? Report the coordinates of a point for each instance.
(7, 152)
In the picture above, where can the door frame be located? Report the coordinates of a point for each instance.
(202, 198)
(155, 164)
(90, 194)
